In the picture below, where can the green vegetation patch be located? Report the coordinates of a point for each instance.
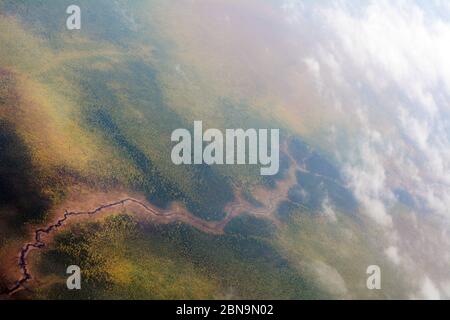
(250, 226)
(120, 259)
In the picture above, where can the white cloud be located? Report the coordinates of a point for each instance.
(367, 178)
(328, 211)
(389, 61)
(385, 64)
(329, 278)
(392, 254)
(314, 68)
(429, 291)
(446, 289)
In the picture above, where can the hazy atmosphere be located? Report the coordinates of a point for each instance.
(358, 92)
